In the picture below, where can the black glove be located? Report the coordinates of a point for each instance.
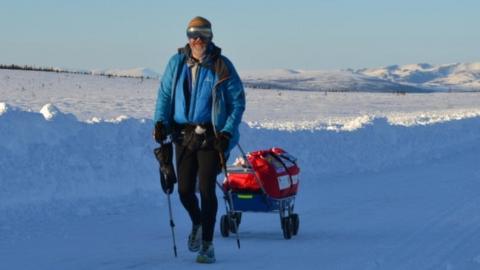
(164, 156)
(159, 132)
(222, 141)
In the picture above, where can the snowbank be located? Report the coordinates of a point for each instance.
(377, 145)
(51, 158)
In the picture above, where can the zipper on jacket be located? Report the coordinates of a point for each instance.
(216, 102)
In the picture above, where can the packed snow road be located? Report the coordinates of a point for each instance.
(416, 217)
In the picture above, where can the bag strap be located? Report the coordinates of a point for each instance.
(290, 158)
(284, 166)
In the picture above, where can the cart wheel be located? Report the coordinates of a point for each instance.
(295, 223)
(287, 227)
(224, 225)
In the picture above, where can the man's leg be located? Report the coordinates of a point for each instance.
(187, 166)
(208, 164)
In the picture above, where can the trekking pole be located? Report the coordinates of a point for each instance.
(243, 152)
(225, 171)
(167, 192)
(172, 225)
(227, 205)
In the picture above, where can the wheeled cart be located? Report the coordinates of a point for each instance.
(267, 181)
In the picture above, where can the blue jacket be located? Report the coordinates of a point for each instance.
(218, 85)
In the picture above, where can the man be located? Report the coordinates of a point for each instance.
(200, 104)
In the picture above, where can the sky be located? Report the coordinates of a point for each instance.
(255, 35)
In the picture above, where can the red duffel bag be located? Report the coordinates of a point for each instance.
(276, 170)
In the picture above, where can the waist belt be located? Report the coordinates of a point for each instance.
(199, 129)
(194, 136)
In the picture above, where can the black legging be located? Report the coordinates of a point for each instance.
(205, 164)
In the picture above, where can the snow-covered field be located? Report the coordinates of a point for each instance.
(388, 181)
(93, 98)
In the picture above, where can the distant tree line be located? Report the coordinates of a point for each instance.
(57, 70)
(46, 69)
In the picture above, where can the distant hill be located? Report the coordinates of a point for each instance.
(413, 78)
(331, 81)
(459, 77)
(455, 77)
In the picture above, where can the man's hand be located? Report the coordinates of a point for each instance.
(164, 155)
(222, 141)
(159, 132)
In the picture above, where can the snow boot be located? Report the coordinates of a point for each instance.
(207, 253)
(195, 238)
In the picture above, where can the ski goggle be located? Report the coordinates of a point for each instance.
(199, 32)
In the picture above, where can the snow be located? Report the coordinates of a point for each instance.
(98, 97)
(3, 108)
(49, 111)
(387, 181)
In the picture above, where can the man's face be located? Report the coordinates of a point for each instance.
(198, 45)
(198, 39)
